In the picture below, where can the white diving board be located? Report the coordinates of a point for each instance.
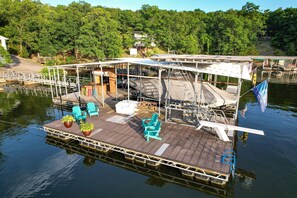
(222, 128)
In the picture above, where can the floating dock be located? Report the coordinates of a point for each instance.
(196, 153)
(164, 174)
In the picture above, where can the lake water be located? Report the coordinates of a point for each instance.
(32, 165)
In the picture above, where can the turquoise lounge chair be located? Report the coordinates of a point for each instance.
(92, 109)
(153, 132)
(152, 121)
(78, 114)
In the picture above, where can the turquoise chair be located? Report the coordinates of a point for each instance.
(153, 131)
(78, 114)
(92, 109)
(150, 121)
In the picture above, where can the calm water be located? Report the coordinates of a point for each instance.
(30, 166)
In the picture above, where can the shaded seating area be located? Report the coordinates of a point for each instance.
(92, 109)
(78, 114)
(153, 131)
(150, 121)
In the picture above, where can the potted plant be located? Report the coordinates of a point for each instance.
(68, 121)
(86, 128)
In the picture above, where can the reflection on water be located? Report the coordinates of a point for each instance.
(157, 177)
(56, 167)
(280, 77)
(272, 157)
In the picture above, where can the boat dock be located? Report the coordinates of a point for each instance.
(196, 153)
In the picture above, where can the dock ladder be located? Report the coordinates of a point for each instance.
(229, 158)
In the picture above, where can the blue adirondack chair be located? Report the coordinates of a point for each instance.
(153, 131)
(92, 109)
(150, 121)
(78, 114)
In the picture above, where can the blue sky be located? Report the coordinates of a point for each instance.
(205, 5)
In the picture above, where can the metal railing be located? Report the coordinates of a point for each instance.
(41, 79)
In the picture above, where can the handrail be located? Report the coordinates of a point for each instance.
(38, 78)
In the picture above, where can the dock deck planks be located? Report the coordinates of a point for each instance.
(187, 145)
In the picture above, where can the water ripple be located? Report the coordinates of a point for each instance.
(54, 169)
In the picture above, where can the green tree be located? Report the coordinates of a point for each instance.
(100, 37)
(4, 57)
(23, 20)
(282, 26)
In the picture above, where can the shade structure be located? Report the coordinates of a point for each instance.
(181, 90)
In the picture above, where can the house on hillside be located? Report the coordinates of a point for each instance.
(3, 41)
(141, 39)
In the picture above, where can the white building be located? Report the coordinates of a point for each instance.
(140, 38)
(3, 41)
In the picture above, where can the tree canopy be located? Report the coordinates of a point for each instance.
(84, 31)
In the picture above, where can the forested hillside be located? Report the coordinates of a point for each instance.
(80, 30)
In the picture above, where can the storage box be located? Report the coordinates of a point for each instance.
(126, 107)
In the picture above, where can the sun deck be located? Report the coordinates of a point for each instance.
(196, 153)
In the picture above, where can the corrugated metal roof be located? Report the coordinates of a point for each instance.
(236, 70)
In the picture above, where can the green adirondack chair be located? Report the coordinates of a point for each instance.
(92, 109)
(78, 114)
(150, 121)
(153, 131)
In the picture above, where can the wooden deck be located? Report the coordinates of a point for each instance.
(188, 149)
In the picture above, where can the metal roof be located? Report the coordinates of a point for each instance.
(236, 70)
(195, 58)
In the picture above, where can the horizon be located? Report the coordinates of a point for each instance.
(178, 5)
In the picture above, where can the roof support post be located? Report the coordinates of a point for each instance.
(128, 66)
(238, 93)
(195, 85)
(50, 81)
(160, 88)
(55, 79)
(65, 84)
(201, 88)
(77, 80)
(195, 92)
(116, 80)
(140, 71)
(167, 102)
(59, 82)
(95, 94)
(102, 93)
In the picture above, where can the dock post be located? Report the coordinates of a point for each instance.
(50, 79)
(77, 80)
(128, 73)
(116, 80)
(65, 84)
(102, 93)
(55, 78)
(59, 81)
(160, 88)
(238, 94)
